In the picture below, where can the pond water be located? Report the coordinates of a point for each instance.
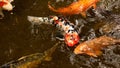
(16, 39)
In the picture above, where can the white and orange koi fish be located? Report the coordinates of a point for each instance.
(71, 36)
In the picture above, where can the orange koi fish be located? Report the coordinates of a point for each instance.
(79, 7)
(93, 47)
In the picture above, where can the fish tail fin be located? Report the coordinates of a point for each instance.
(33, 20)
(38, 20)
(51, 8)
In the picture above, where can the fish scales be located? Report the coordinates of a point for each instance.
(67, 28)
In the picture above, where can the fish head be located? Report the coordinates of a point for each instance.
(84, 49)
(80, 49)
(71, 39)
(6, 5)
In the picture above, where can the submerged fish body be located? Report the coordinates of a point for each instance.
(5, 5)
(79, 7)
(71, 36)
(93, 47)
(31, 61)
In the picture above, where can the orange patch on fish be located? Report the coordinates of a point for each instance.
(2, 3)
(71, 40)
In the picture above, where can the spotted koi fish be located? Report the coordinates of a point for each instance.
(71, 36)
(79, 7)
(5, 5)
(93, 47)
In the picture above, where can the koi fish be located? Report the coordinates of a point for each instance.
(93, 47)
(71, 36)
(5, 5)
(79, 7)
(32, 60)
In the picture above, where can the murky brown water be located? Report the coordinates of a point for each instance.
(16, 39)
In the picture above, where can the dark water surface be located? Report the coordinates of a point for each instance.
(16, 39)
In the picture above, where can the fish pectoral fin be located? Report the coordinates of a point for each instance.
(52, 8)
(92, 54)
(95, 53)
(98, 53)
(59, 36)
(1, 14)
(83, 14)
(48, 58)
